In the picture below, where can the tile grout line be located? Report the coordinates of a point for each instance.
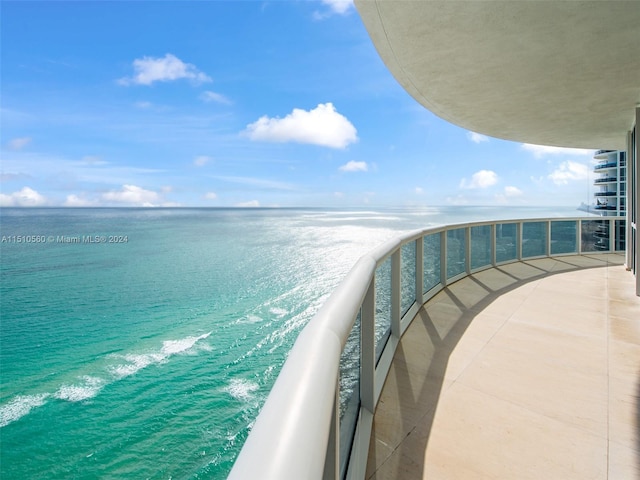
(608, 320)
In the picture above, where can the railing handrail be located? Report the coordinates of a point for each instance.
(289, 438)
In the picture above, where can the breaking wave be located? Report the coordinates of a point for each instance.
(88, 386)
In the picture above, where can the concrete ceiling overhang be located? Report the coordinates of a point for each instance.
(562, 73)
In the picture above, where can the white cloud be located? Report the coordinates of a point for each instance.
(201, 160)
(132, 195)
(209, 96)
(168, 68)
(419, 190)
(569, 171)
(27, 197)
(477, 137)
(321, 126)
(143, 104)
(512, 191)
(338, 194)
(340, 7)
(211, 196)
(250, 204)
(354, 166)
(19, 143)
(76, 201)
(540, 151)
(481, 179)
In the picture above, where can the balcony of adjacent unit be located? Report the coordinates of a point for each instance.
(606, 194)
(601, 154)
(607, 179)
(603, 166)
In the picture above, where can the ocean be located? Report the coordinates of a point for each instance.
(141, 343)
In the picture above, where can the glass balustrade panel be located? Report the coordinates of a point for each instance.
(563, 237)
(534, 239)
(431, 261)
(456, 252)
(480, 246)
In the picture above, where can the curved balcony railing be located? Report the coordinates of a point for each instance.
(606, 165)
(606, 180)
(605, 207)
(317, 420)
(606, 194)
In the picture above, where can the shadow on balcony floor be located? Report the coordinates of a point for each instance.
(528, 370)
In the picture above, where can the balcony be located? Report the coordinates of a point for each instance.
(517, 372)
(606, 180)
(602, 153)
(606, 165)
(605, 207)
(606, 194)
(488, 350)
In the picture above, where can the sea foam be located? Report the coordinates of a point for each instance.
(20, 406)
(137, 361)
(241, 389)
(86, 389)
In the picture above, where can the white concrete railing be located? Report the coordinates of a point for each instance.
(297, 434)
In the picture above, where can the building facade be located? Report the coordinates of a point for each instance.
(611, 183)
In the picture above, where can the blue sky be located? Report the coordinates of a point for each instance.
(243, 103)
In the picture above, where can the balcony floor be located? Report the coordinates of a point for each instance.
(526, 371)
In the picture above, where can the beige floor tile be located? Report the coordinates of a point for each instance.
(496, 439)
(624, 463)
(518, 372)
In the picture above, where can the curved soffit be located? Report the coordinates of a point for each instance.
(550, 73)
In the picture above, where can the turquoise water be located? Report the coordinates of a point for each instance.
(146, 349)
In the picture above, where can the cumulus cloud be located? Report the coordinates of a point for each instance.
(321, 126)
(19, 143)
(477, 137)
(250, 204)
(209, 96)
(354, 166)
(540, 151)
(133, 195)
(481, 179)
(512, 191)
(569, 171)
(27, 197)
(211, 195)
(166, 69)
(201, 160)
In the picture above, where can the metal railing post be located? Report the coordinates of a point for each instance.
(396, 291)
(494, 242)
(579, 237)
(419, 270)
(368, 348)
(519, 240)
(467, 250)
(547, 228)
(443, 258)
(332, 460)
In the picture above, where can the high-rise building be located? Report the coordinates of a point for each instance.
(611, 181)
